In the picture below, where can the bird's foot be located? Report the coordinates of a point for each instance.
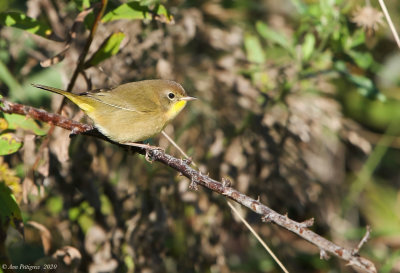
(146, 147)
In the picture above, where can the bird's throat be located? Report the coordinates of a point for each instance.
(175, 109)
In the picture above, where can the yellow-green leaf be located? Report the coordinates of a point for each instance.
(19, 121)
(308, 46)
(254, 49)
(109, 48)
(21, 21)
(133, 10)
(382, 208)
(9, 144)
(273, 36)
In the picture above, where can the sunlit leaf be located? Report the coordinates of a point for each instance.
(10, 178)
(129, 263)
(133, 10)
(273, 36)
(10, 212)
(73, 213)
(106, 205)
(362, 59)
(254, 49)
(3, 124)
(83, 215)
(382, 209)
(308, 46)
(9, 144)
(83, 4)
(21, 21)
(358, 38)
(109, 48)
(19, 121)
(55, 204)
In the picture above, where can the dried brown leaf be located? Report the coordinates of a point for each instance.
(45, 235)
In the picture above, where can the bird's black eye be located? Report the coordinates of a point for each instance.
(171, 95)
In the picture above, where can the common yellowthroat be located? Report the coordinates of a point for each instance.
(130, 112)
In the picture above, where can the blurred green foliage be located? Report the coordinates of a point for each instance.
(21, 21)
(136, 10)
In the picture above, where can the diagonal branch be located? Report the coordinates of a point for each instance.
(81, 61)
(183, 166)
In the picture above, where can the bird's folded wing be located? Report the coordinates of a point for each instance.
(140, 102)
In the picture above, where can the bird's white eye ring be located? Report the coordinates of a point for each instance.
(171, 95)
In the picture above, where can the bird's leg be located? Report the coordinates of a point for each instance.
(146, 147)
(143, 146)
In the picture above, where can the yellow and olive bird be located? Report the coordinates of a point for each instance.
(130, 112)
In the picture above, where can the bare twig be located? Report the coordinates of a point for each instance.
(182, 166)
(42, 115)
(363, 240)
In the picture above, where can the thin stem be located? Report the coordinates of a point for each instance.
(177, 147)
(261, 241)
(389, 20)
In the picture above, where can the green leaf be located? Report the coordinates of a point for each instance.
(10, 212)
(382, 208)
(83, 4)
(109, 48)
(133, 10)
(362, 59)
(9, 144)
(21, 21)
(254, 50)
(273, 36)
(19, 121)
(55, 204)
(358, 38)
(73, 213)
(308, 46)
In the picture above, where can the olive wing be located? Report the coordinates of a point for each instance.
(130, 97)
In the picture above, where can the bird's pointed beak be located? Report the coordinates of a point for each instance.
(188, 98)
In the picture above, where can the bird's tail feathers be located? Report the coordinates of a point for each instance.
(53, 89)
